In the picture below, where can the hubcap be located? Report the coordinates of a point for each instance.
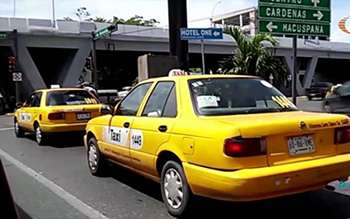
(92, 157)
(173, 188)
(38, 134)
(327, 108)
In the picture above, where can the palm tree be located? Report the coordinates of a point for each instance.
(252, 57)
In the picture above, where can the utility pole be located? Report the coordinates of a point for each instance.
(17, 82)
(177, 13)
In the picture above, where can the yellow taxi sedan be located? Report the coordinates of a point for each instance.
(56, 110)
(234, 138)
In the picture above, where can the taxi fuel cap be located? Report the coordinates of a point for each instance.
(55, 86)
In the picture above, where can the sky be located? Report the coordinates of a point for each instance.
(198, 14)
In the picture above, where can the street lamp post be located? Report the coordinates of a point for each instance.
(53, 14)
(212, 13)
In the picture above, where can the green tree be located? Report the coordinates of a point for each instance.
(135, 20)
(252, 57)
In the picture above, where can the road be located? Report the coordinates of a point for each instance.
(50, 182)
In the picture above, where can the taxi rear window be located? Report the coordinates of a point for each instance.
(230, 96)
(69, 97)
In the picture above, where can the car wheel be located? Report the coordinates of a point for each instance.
(176, 192)
(18, 130)
(97, 163)
(39, 135)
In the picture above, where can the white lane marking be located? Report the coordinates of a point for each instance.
(72, 200)
(5, 129)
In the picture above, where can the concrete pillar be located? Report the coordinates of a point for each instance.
(74, 65)
(310, 71)
(32, 79)
(240, 20)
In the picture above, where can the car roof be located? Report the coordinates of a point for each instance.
(189, 77)
(59, 89)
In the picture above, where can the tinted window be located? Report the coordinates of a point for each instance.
(130, 105)
(70, 97)
(36, 101)
(156, 102)
(29, 101)
(230, 96)
(170, 109)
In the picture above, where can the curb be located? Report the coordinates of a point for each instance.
(9, 114)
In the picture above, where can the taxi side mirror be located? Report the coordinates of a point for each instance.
(106, 110)
(19, 105)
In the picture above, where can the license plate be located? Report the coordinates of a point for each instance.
(301, 145)
(83, 116)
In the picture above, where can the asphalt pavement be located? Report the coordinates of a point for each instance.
(54, 181)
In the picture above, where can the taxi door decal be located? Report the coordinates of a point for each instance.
(115, 135)
(25, 117)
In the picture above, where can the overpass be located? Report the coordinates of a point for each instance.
(75, 39)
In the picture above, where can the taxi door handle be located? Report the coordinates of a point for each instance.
(162, 128)
(126, 125)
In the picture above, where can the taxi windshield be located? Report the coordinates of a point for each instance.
(231, 96)
(69, 97)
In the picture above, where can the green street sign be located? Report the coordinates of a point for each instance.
(3, 35)
(301, 3)
(104, 32)
(285, 12)
(294, 28)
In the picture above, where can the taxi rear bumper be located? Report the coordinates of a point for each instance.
(69, 127)
(267, 182)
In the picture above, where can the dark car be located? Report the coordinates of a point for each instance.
(318, 89)
(338, 101)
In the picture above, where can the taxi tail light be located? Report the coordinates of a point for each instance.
(342, 135)
(244, 147)
(56, 116)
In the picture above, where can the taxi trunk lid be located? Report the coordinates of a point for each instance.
(78, 114)
(292, 136)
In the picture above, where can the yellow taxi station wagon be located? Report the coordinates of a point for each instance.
(49, 111)
(234, 138)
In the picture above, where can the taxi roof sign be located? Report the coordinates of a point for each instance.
(55, 86)
(177, 72)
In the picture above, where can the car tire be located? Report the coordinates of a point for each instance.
(173, 171)
(97, 163)
(310, 98)
(18, 130)
(40, 137)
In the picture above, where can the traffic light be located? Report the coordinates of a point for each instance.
(12, 64)
(88, 63)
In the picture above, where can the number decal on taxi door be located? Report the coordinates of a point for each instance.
(136, 139)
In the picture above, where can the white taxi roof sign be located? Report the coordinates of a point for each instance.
(55, 86)
(177, 72)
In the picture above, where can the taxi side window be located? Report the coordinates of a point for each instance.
(36, 101)
(30, 100)
(131, 104)
(161, 101)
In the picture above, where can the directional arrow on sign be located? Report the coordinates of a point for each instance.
(216, 33)
(316, 2)
(319, 15)
(270, 26)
